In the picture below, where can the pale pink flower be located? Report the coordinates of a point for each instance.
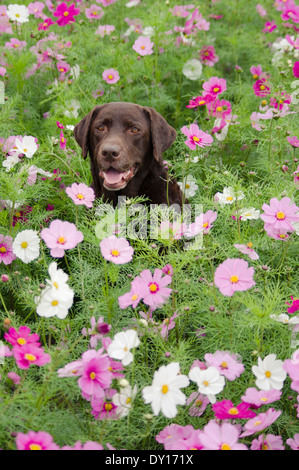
(15, 44)
(223, 436)
(81, 194)
(256, 71)
(170, 435)
(143, 46)
(280, 215)
(196, 137)
(228, 364)
(110, 76)
(293, 141)
(198, 403)
(260, 422)
(234, 275)
(155, 292)
(36, 9)
(94, 12)
(247, 250)
(133, 297)
(268, 442)
(116, 250)
(215, 86)
(61, 236)
(6, 251)
(257, 398)
(104, 30)
(35, 441)
(293, 443)
(103, 407)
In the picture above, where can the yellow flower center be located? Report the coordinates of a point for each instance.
(234, 279)
(134, 297)
(24, 244)
(164, 389)
(225, 447)
(115, 253)
(206, 383)
(216, 89)
(268, 373)
(187, 186)
(265, 447)
(282, 235)
(257, 423)
(219, 109)
(55, 284)
(66, 13)
(21, 341)
(196, 139)
(128, 400)
(229, 198)
(80, 196)
(61, 240)
(92, 375)
(202, 102)
(110, 77)
(35, 447)
(255, 76)
(198, 403)
(3, 249)
(280, 215)
(250, 245)
(30, 357)
(153, 287)
(262, 87)
(265, 399)
(108, 406)
(25, 150)
(205, 224)
(233, 411)
(54, 303)
(263, 103)
(223, 365)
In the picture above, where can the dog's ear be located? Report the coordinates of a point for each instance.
(81, 130)
(163, 135)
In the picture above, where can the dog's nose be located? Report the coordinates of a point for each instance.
(110, 151)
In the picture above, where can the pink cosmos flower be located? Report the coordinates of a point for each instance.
(155, 292)
(207, 56)
(36, 9)
(110, 76)
(247, 250)
(215, 86)
(2, 71)
(116, 250)
(15, 44)
(143, 46)
(294, 306)
(45, 25)
(257, 398)
(225, 409)
(261, 87)
(296, 175)
(293, 443)
(268, 442)
(234, 275)
(6, 252)
(15, 378)
(291, 366)
(173, 433)
(196, 137)
(81, 194)
(88, 445)
(256, 71)
(228, 364)
(133, 297)
(30, 354)
(269, 27)
(200, 101)
(260, 422)
(61, 236)
(261, 10)
(198, 403)
(96, 375)
(219, 108)
(104, 30)
(296, 69)
(221, 437)
(21, 337)
(279, 100)
(277, 234)
(280, 215)
(103, 407)
(35, 441)
(94, 12)
(66, 14)
(290, 12)
(62, 140)
(293, 141)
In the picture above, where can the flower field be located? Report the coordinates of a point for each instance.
(133, 327)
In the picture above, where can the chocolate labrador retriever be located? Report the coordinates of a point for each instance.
(125, 142)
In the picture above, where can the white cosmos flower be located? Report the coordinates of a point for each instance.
(123, 400)
(10, 162)
(209, 381)
(26, 245)
(189, 186)
(229, 196)
(58, 278)
(72, 109)
(192, 69)
(285, 318)
(269, 373)
(249, 213)
(51, 304)
(121, 345)
(19, 13)
(164, 394)
(27, 147)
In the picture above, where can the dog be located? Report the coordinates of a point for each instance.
(125, 142)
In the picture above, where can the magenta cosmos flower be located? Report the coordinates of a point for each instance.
(110, 76)
(66, 14)
(296, 69)
(215, 86)
(225, 409)
(35, 441)
(61, 236)
(294, 306)
(293, 141)
(261, 87)
(116, 250)
(96, 374)
(143, 46)
(21, 337)
(155, 292)
(280, 215)
(81, 194)
(30, 354)
(234, 275)
(207, 56)
(6, 252)
(221, 437)
(196, 137)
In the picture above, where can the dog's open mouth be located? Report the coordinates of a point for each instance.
(114, 179)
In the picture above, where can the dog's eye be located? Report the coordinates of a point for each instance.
(134, 130)
(101, 127)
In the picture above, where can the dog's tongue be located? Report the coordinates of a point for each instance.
(113, 176)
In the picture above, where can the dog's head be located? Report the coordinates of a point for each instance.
(121, 139)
